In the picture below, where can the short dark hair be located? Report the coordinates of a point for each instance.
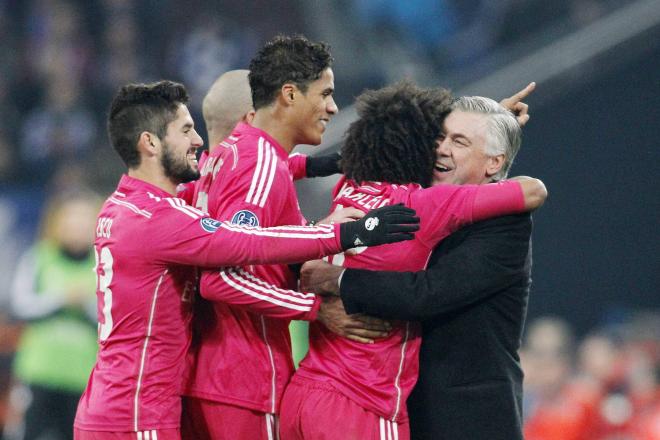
(142, 107)
(394, 139)
(286, 59)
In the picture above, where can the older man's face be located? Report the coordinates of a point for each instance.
(460, 155)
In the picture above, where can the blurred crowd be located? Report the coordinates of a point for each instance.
(63, 59)
(604, 386)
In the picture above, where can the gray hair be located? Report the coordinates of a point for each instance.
(504, 133)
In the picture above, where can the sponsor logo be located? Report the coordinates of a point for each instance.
(371, 223)
(245, 218)
(209, 224)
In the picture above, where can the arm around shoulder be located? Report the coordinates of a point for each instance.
(534, 191)
(492, 255)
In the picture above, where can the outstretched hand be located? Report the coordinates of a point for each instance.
(388, 224)
(516, 106)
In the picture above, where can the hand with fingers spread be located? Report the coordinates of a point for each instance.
(358, 327)
(388, 224)
(320, 277)
(516, 106)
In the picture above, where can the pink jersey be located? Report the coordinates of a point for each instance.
(379, 377)
(147, 243)
(297, 165)
(243, 357)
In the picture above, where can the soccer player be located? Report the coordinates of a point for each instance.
(247, 180)
(228, 102)
(147, 245)
(389, 157)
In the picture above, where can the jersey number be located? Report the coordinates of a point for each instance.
(202, 201)
(104, 262)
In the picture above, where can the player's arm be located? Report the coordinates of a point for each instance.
(241, 288)
(181, 234)
(512, 196)
(302, 166)
(298, 165)
(490, 258)
(447, 208)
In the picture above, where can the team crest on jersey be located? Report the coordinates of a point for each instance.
(246, 218)
(209, 224)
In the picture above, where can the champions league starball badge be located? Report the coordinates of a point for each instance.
(209, 224)
(245, 218)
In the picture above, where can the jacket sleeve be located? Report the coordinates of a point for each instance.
(26, 302)
(238, 287)
(492, 256)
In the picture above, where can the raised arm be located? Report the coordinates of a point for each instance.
(514, 104)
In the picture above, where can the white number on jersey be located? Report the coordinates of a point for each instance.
(202, 201)
(103, 284)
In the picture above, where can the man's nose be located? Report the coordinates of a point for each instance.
(443, 148)
(197, 140)
(332, 107)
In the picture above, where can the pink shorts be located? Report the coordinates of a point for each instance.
(152, 434)
(315, 411)
(207, 420)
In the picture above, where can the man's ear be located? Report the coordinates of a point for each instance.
(148, 144)
(494, 164)
(288, 93)
(249, 116)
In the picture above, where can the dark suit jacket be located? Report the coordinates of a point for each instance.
(472, 301)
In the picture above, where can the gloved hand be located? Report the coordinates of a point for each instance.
(388, 224)
(322, 166)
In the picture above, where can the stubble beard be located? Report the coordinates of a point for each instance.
(179, 171)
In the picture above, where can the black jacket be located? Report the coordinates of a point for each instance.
(472, 301)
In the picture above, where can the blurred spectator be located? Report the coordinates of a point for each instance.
(60, 130)
(57, 39)
(54, 294)
(612, 394)
(211, 46)
(555, 409)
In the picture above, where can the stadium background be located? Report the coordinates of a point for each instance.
(593, 137)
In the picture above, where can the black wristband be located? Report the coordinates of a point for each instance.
(322, 166)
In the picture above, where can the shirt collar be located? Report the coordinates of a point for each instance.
(243, 128)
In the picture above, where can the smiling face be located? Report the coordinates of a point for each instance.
(179, 147)
(314, 109)
(461, 152)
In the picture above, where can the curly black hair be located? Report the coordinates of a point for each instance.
(286, 59)
(394, 139)
(142, 107)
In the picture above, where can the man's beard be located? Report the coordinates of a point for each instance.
(179, 170)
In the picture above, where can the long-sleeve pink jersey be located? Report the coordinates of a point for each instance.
(379, 377)
(147, 244)
(243, 353)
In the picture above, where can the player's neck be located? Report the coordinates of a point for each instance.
(155, 178)
(271, 121)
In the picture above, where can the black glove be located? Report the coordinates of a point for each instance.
(388, 224)
(322, 166)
